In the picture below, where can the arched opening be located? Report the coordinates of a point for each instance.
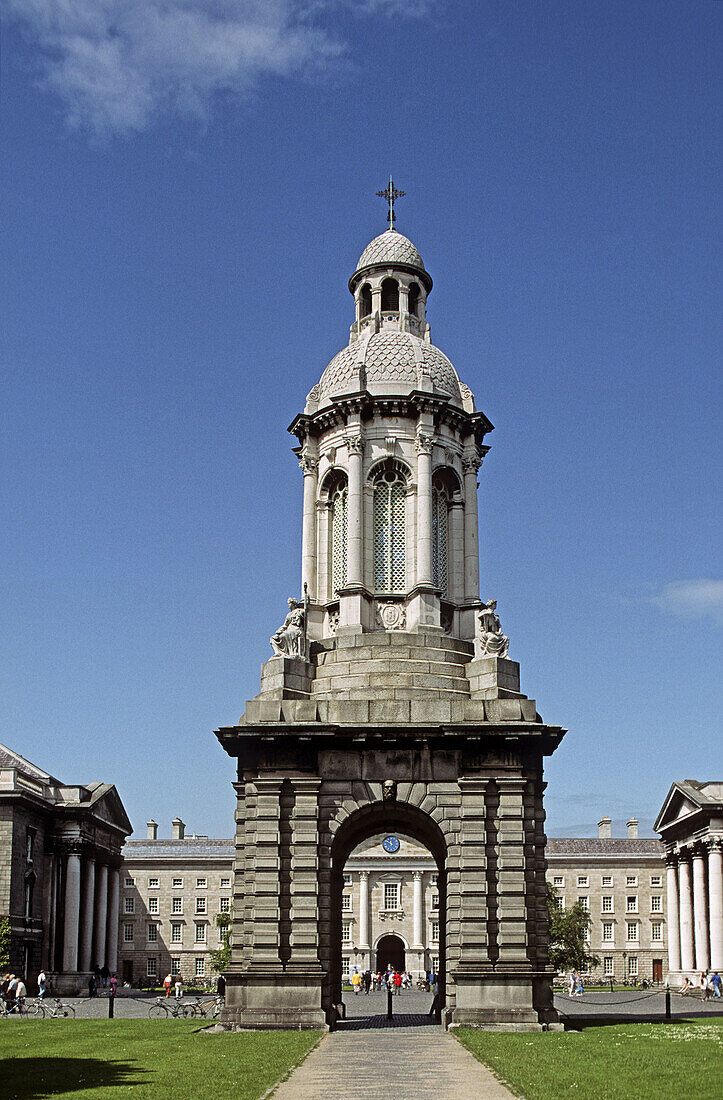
(389, 509)
(444, 486)
(390, 955)
(413, 298)
(335, 491)
(388, 901)
(365, 300)
(390, 294)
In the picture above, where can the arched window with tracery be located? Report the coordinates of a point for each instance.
(339, 504)
(440, 535)
(390, 492)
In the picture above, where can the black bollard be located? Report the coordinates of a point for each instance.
(611, 985)
(667, 1002)
(111, 1000)
(390, 1011)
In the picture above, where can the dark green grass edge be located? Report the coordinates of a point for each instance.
(292, 1069)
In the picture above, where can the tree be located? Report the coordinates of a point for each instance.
(4, 943)
(222, 957)
(569, 948)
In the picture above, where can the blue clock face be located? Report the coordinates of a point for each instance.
(390, 844)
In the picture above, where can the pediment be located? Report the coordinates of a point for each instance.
(680, 803)
(107, 806)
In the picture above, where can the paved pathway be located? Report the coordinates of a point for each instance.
(410, 1059)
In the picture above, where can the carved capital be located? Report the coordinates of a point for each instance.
(364, 874)
(417, 875)
(423, 443)
(472, 463)
(355, 444)
(308, 465)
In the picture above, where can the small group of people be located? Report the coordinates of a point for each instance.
(13, 993)
(575, 987)
(394, 981)
(97, 980)
(709, 984)
(177, 984)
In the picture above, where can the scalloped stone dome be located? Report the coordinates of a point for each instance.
(392, 248)
(390, 357)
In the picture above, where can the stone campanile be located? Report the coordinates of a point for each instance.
(390, 702)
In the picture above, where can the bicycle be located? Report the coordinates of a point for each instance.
(163, 1008)
(207, 1006)
(54, 1009)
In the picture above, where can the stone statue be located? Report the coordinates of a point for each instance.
(489, 640)
(389, 790)
(288, 641)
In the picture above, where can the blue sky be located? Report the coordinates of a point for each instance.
(187, 186)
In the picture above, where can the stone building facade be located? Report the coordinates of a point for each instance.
(621, 881)
(171, 893)
(390, 704)
(691, 827)
(60, 855)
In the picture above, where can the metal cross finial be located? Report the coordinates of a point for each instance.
(390, 193)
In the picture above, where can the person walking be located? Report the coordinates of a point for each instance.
(167, 983)
(92, 985)
(179, 987)
(20, 995)
(572, 985)
(221, 986)
(716, 983)
(42, 984)
(398, 982)
(113, 985)
(356, 982)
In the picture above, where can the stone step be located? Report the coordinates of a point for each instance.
(379, 653)
(417, 639)
(389, 681)
(388, 693)
(396, 665)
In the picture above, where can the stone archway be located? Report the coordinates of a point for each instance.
(390, 952)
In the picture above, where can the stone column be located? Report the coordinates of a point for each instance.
(113, 915)
(471, 465)
(308, 537)
(700, 910)
(425, 574)
(687, 951)
(673, 915)
(86, 940)
(364, 911)
(511, 902)
(715, 894)
(304, 939)
(101, 914)
(418, 914)
(456, 550)
(72, 913)
(355, 529)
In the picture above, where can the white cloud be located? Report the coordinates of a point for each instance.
(117, 65)
(692, 599)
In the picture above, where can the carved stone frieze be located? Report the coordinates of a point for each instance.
(391, 616)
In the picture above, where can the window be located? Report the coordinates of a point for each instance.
(390, 294)
(128, 881)
(440, 522)
(558, 880)
(391, 895)
(656, 931)
(177, 883)
(435, 880)
(224, 905)
(413, 298)
(608, 970)
(656, 880)
(607, 903)
(435, 901)
(175, 967)
(656, 903)
(631, 880)
(200, 883)
(347, 880)
(581, 880)
(608, 934)
(29, 844)
(152, 883)
(152, 933)
(176, 932)
(129, 905)
(29, 890)
(346, 901)
(390, 493)
(632, 931)
(435, 932)
(365, 299)
(633, 966)
(584, 901)
(346, 932)
(607, 880)
(200, 933)
(225, 883)
(631, 903)
(339, 521)
(200, 905)
(153, 905)
(176, 905)
(127, 933)
(151, 968)
(199, 968)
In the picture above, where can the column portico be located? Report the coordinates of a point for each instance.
(101, 915)
(471, 465)
(364, 911)
(113, 916)
(417, 916)
(673, 915)
(687, 944)
(424, 509)
(310, 467)
(700, 910)
(86, 949)
(715, 894)
(72, 912)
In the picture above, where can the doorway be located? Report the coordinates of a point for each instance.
(657, 970)
(390, 952)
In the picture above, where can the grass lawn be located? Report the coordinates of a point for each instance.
(146, 1058)
(618, 1062)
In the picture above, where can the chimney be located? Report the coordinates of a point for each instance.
(604, 828)
(633, 828)
(179, 829)
(151, 830)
